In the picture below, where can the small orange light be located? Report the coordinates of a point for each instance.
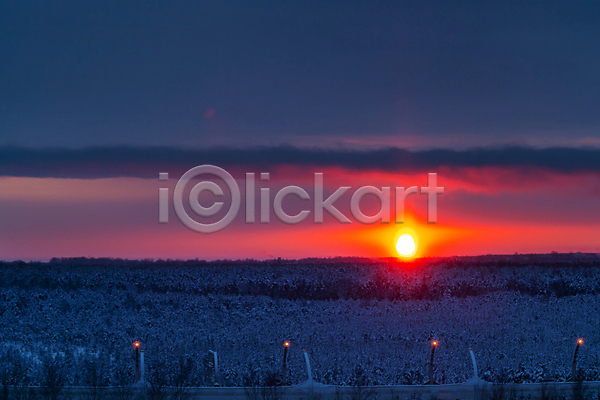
(434, 343)
(287, 344)
(136, 344)
(580, 341)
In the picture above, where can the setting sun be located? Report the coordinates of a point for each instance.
(406, 245)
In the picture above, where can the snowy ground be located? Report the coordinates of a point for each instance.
(369, 322)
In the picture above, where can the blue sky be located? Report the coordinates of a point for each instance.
(354, 74)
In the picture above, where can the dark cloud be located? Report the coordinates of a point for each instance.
(97, 162)
(77, 73)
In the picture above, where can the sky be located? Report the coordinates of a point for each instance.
(499, 100)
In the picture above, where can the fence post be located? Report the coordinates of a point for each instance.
(574, 365)
(310, 377)
(136, 346)
(142, 366)
(308, 370)
(286, 345)
(475, 373)
(216, 366)
(475, 376)
(431, 380)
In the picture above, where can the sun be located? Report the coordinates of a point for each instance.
(406, 245)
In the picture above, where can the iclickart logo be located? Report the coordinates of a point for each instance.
(320, 204)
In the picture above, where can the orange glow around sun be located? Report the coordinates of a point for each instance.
(430, 240)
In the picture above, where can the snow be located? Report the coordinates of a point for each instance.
(367, 322)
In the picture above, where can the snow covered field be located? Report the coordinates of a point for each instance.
(367, 322)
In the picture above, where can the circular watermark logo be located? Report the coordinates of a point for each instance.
(195, 205)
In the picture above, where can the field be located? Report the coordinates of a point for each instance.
(361, 321)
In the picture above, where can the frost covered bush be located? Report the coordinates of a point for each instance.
(376, 317)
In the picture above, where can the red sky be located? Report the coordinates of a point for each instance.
(483, 211)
